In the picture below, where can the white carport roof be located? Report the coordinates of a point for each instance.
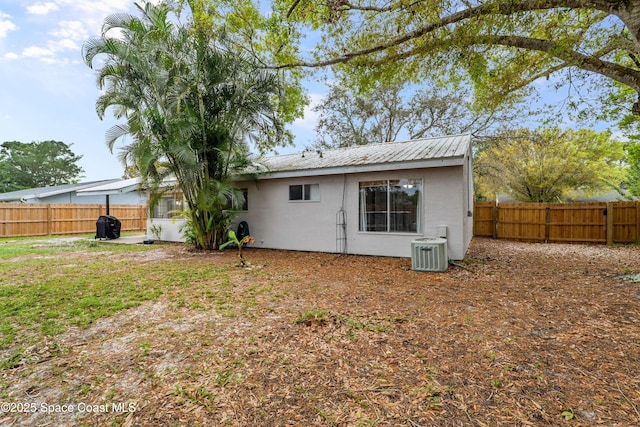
(50, 191)
(111, 188)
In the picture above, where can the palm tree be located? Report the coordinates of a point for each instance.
(191, 107)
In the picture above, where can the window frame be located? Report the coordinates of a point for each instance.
(307, 194)
(175, 199)
(245, 204)
(390, 215)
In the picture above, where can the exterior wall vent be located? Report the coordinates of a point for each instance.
(429, 254)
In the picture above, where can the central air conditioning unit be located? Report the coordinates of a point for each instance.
(429, 254)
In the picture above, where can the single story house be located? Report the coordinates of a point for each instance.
(79, 193)
(370, 200)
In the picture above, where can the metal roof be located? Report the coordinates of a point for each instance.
(416, 153)
(424, 152)
(114, 187)
(53, 190)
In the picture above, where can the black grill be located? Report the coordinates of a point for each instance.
(108, 227)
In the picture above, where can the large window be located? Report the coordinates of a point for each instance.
(391, 205)
(310, 192)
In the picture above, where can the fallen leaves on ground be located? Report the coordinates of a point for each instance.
(524, 334)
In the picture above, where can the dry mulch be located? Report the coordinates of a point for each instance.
(525, 334)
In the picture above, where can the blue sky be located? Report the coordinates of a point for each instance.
(48, 93)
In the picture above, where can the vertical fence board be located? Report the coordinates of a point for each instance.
(483, 219)
(625, 222)
(30, 219)
(577, 222)
(523, 221)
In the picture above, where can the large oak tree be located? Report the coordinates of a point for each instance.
(500, 46)
(503, 44)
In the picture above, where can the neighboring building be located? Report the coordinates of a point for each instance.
(369, 200)
(116, 192)
(69, 193)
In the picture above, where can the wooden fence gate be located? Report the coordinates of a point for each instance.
(599, 222)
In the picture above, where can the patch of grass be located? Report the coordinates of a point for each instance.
(46, 287)
(56, 245)
(200, 395)
(12, 361)
(84, 389)
(353, 323)
(8, 332)
(110, 394)
(312, 316)
(145, 348)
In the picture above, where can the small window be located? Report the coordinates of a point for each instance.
(310, 192)
(238, 203)
(168, 206)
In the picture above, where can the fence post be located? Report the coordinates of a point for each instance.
(638, 221)
(547, 220)
(141, 215)
(609, 225)
(49, 219)
(494, 222)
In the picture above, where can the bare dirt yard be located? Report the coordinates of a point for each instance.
(525, 334)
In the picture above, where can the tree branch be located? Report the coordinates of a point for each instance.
(292, 8)
(351, 6)
(504, 8)
(609, 69)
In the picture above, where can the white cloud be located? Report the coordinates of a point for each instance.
(36, 52)
(304, 129)
(9, 56)
(99, 7)
(310, 119)
(42, 8)
(64, 44)
(47, 60)
(6, 25)
(74, 30)
(69, 36)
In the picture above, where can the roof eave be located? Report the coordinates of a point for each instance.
(54, 193)
(381, 167)
(109, 192)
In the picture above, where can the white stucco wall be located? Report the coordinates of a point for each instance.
(275, 222)
(169, 229)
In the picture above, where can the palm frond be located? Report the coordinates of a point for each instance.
(114, 133)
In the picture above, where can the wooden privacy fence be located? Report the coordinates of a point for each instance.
(599, 222)
(30, 219)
